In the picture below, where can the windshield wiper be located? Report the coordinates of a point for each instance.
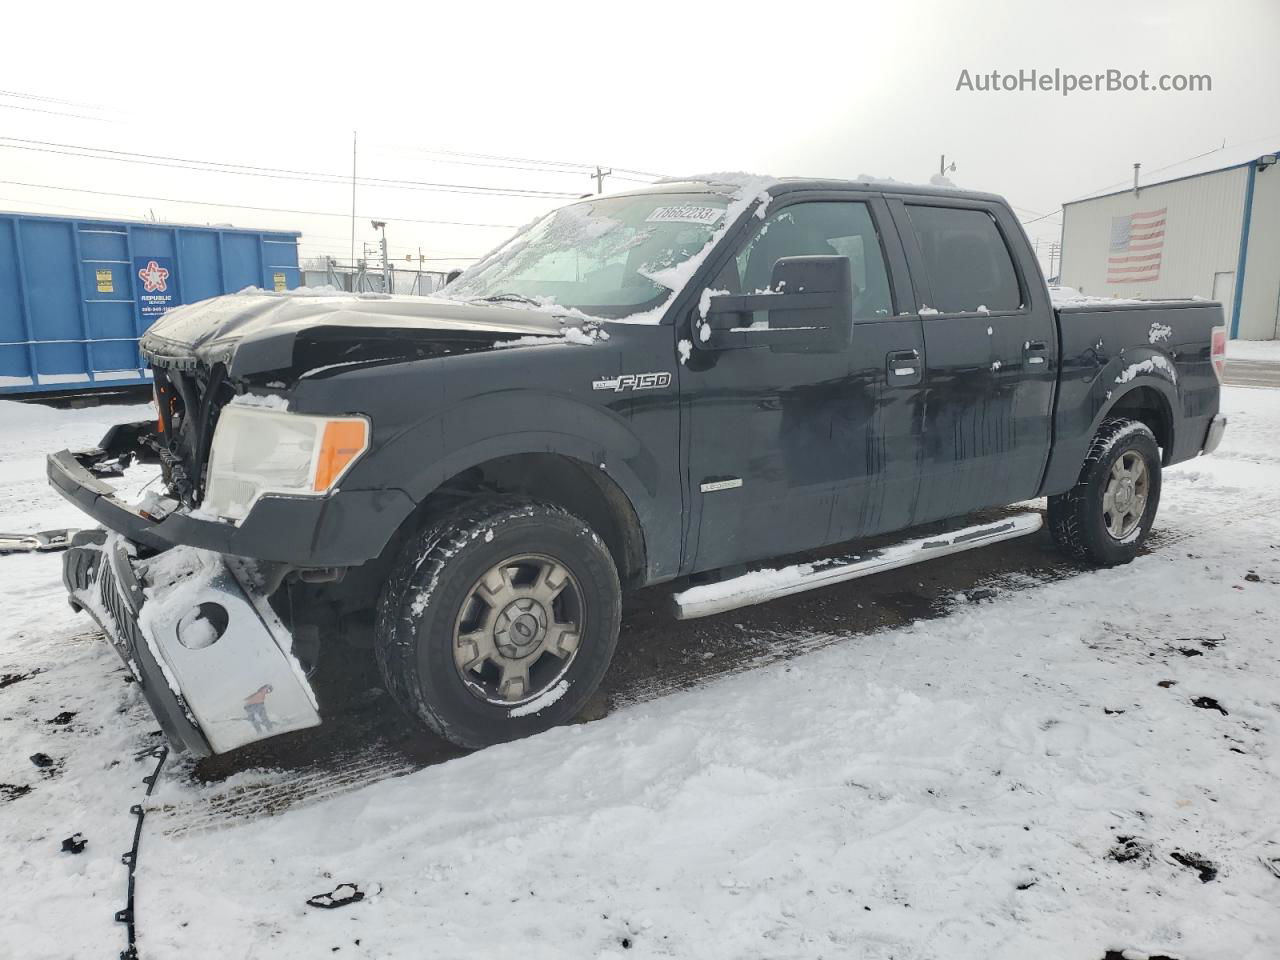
(506, 297)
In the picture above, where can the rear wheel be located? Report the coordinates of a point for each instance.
(1106, 516)
(498, 621)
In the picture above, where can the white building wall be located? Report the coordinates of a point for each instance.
(1260, 301)
(1202, 237)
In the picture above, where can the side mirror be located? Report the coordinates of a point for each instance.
(809, 304)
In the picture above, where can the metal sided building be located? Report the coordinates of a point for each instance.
(76, 294)
(1214, 234)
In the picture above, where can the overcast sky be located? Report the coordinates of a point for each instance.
(786, 89)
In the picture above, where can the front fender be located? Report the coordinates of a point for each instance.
(524, 421)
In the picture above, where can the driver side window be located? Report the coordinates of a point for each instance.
(820, 228)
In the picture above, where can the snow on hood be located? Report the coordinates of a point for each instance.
(219, 329)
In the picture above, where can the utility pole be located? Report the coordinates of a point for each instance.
(599, 176)
(353, 199)
(1136, 168)
(386, 266)
(943, 169)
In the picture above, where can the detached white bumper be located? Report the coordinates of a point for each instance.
(214, 661)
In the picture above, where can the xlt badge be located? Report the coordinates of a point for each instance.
(633, 381)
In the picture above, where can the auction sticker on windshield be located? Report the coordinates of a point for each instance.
(686, 213)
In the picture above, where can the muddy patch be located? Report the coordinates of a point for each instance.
(12, 791)
(9, 679)
(1206, 868)
(1130, 850)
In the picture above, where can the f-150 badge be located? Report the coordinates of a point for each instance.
(633, 381)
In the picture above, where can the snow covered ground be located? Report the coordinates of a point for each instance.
(1050, 773)
(1266, 351)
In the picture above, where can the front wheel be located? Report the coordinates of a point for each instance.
(1106, 516)
(499, 621)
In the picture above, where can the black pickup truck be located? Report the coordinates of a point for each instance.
(678, 382)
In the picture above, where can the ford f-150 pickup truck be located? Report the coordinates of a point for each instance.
(677, 383)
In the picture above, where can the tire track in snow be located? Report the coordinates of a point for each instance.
(735, 642)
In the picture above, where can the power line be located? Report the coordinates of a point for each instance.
(19, 95)
(1169, 166)
(503, 162)
(277, 173)
(447, 159)
(573, 166)
(81, 210)
(1027, 210)
(1038, 219)
(55, 113)
(241, 206)
(643, 173)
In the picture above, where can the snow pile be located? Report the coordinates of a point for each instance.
(261, 401)
(589, 333)
(542, 701)
(1052, 773)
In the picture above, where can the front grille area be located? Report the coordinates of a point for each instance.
(113, 603)
(192, 398)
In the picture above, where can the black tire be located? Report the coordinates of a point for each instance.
(422, 604)
(1078, 520)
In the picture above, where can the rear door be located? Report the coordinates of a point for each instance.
(991, 355)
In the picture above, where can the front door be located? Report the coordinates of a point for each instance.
(787, 452)
(991, 358)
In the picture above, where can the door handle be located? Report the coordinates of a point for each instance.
(902, 368)
(1035, 350)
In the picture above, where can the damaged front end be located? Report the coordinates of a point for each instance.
(182, 594)
(213, 660)
(270, 475)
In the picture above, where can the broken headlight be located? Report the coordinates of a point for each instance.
(260, 451)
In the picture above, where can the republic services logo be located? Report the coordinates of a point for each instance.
(153, 277)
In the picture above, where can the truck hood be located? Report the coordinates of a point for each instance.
(260, 332)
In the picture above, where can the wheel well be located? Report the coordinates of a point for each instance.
(1148, 405)
(587, 492)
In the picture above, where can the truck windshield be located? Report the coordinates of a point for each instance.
(598, 256)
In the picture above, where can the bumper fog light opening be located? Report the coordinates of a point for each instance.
(203, 626)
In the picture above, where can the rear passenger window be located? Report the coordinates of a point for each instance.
(968, 262)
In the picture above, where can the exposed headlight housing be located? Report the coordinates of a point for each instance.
(260, 451)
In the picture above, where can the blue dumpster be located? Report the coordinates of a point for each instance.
(75, 295)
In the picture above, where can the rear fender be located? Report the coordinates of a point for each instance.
(1117, 379)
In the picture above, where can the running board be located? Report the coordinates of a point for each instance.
(762, 585)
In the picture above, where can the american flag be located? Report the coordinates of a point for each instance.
(1137, 243)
